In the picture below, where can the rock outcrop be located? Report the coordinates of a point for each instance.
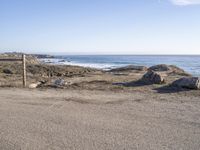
(129, 68)
(161, 67)
(189, 83)
(153, 78)
(169, 69)
(178, 71)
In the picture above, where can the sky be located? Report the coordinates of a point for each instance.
(100, 26)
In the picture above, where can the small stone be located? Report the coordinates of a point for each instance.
(59, 82)
(34, 85)
(7, 71)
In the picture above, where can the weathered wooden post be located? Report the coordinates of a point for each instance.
(24, 69)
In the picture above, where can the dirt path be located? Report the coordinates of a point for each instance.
(72, 119)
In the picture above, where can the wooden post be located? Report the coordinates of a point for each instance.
(24, 69)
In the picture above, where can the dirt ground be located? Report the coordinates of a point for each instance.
(58, 119)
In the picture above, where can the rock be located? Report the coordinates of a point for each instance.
(68, 83)
(169, 69)
(7, 71)
(189, 83)
(129, 68)
(153, 78)
(178, 71)
(161, 67)
(34, 85)
(61, 61)
(59, 82)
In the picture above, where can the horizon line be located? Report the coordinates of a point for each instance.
(91, 54)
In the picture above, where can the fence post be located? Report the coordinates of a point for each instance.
(24, 69)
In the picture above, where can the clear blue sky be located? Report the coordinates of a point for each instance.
(100, 26)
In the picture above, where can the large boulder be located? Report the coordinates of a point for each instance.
(169, 69)
(129, 68)
(153, 78)
(189, 82)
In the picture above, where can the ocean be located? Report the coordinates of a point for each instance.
(190, 63)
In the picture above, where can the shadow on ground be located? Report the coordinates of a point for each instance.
(132, 84)
(170, 89)
(163, 89)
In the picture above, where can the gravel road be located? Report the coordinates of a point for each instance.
(97, 120)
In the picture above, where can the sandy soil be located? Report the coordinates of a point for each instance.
(94, 119)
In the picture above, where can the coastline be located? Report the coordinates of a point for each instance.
(39, 70)
(107, 62)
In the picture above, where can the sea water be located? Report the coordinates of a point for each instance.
(190, 63)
